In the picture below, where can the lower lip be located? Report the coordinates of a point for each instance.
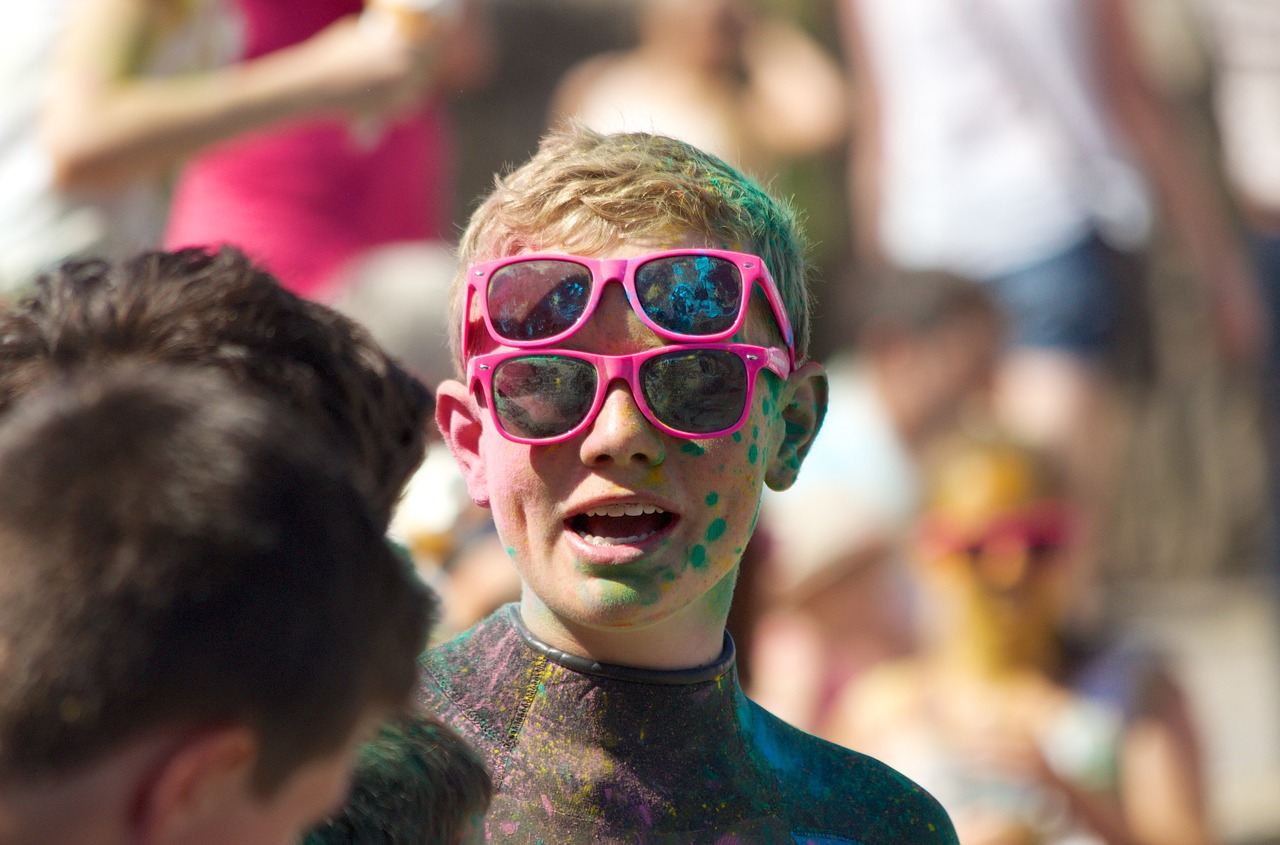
(617, 553)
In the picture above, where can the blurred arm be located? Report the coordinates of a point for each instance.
(796, 99)
(865, 148)
(105, 122)
(1162, 787)
(1194, 208)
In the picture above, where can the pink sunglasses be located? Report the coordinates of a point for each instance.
(693, 391)
(1038, 528)
(685, 295)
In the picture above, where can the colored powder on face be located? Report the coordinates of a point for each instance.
(712, 498)
(619, 593)
(737, 437)
(753, 454)
(511, 552)
(755, 432)
(691, 448)
(721, 597)
(698, 557)
(716, 530)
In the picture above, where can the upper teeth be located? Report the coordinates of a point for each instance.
(629, 509)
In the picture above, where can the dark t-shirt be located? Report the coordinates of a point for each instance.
(587, 753)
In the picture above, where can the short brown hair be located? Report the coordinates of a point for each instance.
(589, 192)
(178, 553)
(217, 309)
(416, 783)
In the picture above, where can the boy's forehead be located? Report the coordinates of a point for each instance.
(639, 244)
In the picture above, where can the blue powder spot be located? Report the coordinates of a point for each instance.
(716, 530)
(712, 498)
(698, 557)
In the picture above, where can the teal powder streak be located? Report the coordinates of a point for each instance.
(698, 557)
(716, 530)
(753, 454)
(691, 448)
(712, 498)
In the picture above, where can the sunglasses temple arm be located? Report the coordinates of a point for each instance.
(774, 297)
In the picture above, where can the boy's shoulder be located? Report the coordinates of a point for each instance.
(828, 787)
(474, 682)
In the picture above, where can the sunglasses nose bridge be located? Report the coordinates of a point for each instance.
(620, 373)
(612, 270)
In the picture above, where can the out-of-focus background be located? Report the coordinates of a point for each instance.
(811, 96)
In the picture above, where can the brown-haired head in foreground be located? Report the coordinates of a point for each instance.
(590, 192)
(176, 553)
(216, 308)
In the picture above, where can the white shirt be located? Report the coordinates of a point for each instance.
(990, 118)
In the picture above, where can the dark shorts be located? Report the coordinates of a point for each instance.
(1072, 302)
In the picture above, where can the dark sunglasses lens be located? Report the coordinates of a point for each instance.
(535, 300)
(690, 294)
(542, 396)
(698, 392)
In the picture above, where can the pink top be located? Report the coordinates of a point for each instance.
(305, 197)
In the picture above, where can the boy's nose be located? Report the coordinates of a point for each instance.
(614, 328)
(621, 433)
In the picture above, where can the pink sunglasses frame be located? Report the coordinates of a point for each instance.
(481, 369)
(623, 270)
(1047, 523)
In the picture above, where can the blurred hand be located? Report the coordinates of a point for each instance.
(368, 71)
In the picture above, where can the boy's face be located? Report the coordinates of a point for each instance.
(624, 528)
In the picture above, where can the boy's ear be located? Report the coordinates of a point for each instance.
(197, 785)
(804, 405)
(461, 423)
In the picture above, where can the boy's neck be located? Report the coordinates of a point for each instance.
(688, 640)
(82, 812)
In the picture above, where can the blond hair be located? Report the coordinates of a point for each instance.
(589, 192)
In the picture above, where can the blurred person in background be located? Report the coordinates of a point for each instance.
(1017, 141)
(834, 596)
(1245, 54)
(751, 88)
(104, 98)
(1027, 726)
(308, 198)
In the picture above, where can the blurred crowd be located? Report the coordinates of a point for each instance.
(1031, 560)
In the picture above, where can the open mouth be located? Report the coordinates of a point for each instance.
(620, 524)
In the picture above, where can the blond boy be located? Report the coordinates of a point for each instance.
(620, 417)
